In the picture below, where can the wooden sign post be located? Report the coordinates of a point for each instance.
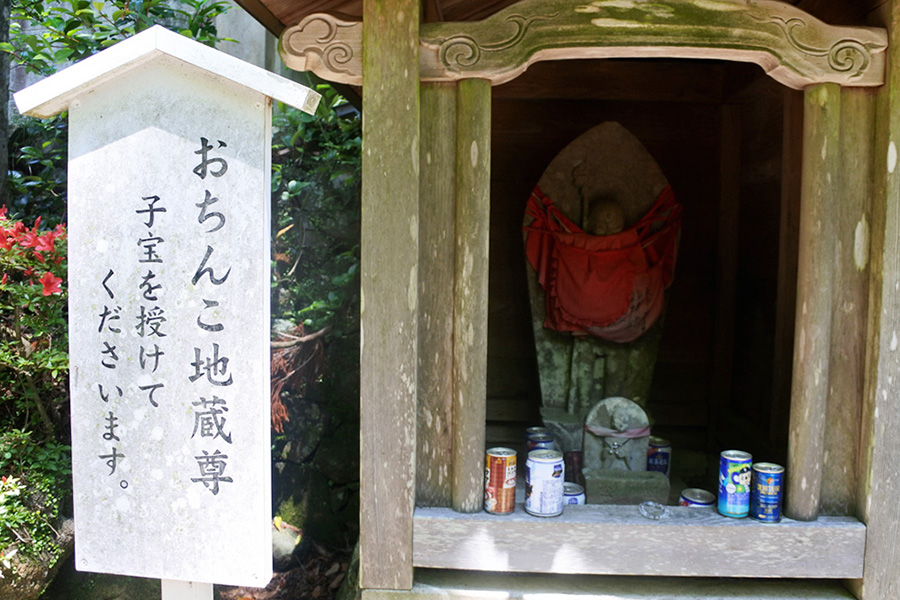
(168, 222)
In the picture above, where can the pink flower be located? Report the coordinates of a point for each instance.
(3, 210)
(5, 275)
(51, 284)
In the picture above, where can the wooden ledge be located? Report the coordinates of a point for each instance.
(431, 584)
(617, 540)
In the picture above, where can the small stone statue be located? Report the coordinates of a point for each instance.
(616, 436)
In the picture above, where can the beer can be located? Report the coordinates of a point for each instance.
(734, 483)
(540, 441)
(572, 493)
(767, 492)
(544, 475)
(500, 481)
(659, 455)
(695, 497)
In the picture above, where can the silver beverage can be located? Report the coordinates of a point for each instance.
(697, 497)
(544, 478)
(572, 493)
(532, 430)
(540, 441)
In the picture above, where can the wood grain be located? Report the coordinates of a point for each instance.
(389, 288)
(809, 389)
(617, 540)
(442, 584)
(470, 297)
(437, 248)
(880, 485)
(851, 282)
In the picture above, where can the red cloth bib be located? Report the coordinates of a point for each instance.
(610, 286)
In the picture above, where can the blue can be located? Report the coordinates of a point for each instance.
(767, 492)
(659, 455)
(734, 483)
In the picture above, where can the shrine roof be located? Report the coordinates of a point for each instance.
(276, 15)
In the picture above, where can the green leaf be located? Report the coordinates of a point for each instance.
(63, 54)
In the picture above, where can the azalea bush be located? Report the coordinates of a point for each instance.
(33, 335)
(34, 460)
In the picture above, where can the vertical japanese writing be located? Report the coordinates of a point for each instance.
(209, 371)
(110, 332)
(150, 320)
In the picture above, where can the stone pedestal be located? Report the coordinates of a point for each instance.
(625, 487)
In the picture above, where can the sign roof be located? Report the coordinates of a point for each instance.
(53, 94)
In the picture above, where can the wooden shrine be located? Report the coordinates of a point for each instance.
(781, 332)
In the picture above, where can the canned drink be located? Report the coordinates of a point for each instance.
(734, 483)
(659, 455)
(544, 475)
(500, 481)
(767, 492)
(696, 497)
(532, 430)
(572, 493)
(540, 441)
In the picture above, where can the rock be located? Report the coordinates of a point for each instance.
(27, 577)
(338, 454)
(287, 544)
(77, 585)
(615, 468)
(626, 487)
(303, 433)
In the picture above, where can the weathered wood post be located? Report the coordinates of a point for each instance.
(809, 391)
(389, 281)
(437, 243)
(851, 282)
(470, 308)
(169, 186)
(880, 444)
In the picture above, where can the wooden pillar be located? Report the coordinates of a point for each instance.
(470, 298)
(879, 481)
(437, 244)
(848, 319)
(809, 389)
(389, 289)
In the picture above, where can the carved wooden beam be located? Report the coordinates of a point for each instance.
(329, 45)
(792, 46)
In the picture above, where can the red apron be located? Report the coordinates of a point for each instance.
(610, 286)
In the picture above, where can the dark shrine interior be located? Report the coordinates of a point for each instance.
(727, 137)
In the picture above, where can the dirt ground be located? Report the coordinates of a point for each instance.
(317, 576)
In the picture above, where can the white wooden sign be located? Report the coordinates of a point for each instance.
(169, 187)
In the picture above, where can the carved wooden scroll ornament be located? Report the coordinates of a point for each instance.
(792, 46)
